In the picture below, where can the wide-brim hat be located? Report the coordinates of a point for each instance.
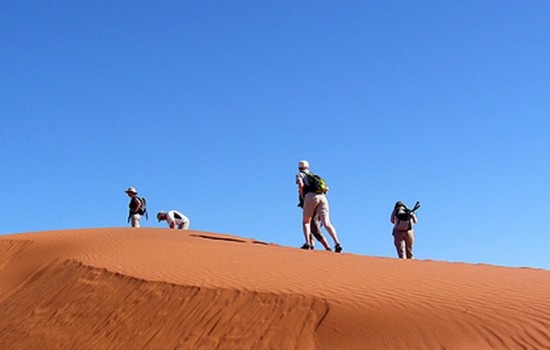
(131, 190)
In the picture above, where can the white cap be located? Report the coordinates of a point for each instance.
(131, 190)
(303, 164)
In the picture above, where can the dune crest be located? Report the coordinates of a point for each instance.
(157, 288)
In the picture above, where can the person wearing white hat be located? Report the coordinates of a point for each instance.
(314, 203)
(137, 207)
(174, 219)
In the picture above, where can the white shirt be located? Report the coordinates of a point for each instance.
(175, 218)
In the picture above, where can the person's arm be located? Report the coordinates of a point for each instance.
(414, 218)
(300, 183)
(170, 220)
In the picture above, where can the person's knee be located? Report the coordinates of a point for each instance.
(328, 226)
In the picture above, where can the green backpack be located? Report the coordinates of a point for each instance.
(316, 184)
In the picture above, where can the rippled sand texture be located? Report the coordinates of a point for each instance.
(159, 288)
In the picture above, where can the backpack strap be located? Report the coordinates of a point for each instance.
(305, 182)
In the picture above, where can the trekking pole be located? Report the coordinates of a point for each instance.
(416, 206)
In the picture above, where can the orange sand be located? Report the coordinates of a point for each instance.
(161, 289)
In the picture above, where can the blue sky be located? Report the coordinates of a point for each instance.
(207, 107)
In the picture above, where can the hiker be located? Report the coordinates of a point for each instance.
(403, 220)
(137, 207)
(174, 218)
(312, 190)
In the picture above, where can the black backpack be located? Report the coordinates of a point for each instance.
(143, 208)
(403, 222)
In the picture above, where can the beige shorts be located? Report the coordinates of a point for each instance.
(136, 220)
(315, 203)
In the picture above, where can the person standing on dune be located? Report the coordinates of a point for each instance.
(403, 220)
(312, 190)
(137, 206)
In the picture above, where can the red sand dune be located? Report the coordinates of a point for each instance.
(162, 289)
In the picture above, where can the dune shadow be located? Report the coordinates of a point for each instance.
(228, 239)
(215, 238)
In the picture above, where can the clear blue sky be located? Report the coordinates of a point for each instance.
(207, 107)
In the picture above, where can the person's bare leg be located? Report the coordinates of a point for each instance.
(330, 228)
(306, 226)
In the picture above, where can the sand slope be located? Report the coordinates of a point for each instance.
(162, 289)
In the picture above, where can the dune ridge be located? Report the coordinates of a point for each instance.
(156, 288)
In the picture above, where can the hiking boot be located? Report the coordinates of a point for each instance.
(306, 247)
(338, 248)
